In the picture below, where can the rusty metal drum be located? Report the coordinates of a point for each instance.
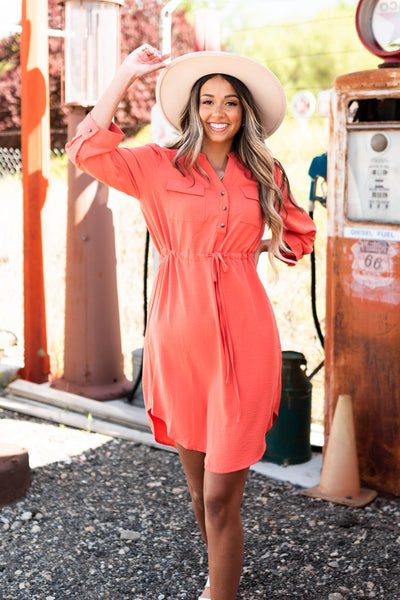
(14, 473)
(288, 442)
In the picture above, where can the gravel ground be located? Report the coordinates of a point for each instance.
(115, 523)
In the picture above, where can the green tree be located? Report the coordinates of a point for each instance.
(308, 54)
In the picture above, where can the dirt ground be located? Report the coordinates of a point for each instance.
(108, 519)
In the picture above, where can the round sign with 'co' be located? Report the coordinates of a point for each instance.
(378, 27)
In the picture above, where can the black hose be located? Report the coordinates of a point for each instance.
(145, 278)
(314, 305)
(136, 383)
(316, 370)
(318, 169)
(314, 294)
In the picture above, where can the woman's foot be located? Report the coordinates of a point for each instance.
(206, 592)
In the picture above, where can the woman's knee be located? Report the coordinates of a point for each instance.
(223, 497)
(197, 497)
(220, 509)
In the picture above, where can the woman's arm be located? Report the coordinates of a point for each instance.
(298, 228)
(141, 61)
(95, 147)
(263, 246)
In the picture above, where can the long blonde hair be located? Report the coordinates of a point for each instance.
(250, 147)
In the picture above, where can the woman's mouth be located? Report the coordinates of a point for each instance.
(218, 127)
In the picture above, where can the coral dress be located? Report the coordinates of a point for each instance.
(212, 357)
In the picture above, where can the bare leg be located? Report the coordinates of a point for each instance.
(193, 465)
(216, 502)
(223, 497)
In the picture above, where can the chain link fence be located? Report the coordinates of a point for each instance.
(11, 160)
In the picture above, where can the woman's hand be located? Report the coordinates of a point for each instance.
(141, 61)
(263, 246)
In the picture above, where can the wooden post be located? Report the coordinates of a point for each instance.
(35, 145)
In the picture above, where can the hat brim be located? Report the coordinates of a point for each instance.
(176, 81)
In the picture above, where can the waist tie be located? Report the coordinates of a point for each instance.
(218, 266)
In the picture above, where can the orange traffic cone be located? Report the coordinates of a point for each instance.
(340, 480)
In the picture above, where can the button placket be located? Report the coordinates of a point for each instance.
(224, 213)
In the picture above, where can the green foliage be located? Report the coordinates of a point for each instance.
(58, 165)
(308, 54)
(9, 57)
(140, 139)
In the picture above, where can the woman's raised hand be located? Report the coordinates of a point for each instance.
(143, 60)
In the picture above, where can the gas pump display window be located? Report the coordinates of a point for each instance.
(373, 110)
(373, 188)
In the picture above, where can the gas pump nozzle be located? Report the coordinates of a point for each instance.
(318, 170)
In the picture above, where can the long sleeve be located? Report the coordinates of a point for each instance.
(96, 151)
(299, 229)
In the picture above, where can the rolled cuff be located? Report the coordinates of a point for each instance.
(105, 139)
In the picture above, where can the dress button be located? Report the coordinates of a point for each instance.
(90, 130)
(224, 208)
(222, 224)
(222, 193)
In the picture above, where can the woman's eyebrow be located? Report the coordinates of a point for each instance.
(227, 96)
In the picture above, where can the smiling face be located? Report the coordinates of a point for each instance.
(220, 112)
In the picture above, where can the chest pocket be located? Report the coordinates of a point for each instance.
(186, 201)
(250, 209)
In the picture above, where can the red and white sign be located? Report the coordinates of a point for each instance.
(303, 104)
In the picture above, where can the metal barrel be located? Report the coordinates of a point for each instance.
(288, 441)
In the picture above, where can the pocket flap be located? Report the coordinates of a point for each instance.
(185, 187)
(250, 191)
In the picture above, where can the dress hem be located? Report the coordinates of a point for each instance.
(240, 466)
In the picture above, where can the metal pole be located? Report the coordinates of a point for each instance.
(35, 146)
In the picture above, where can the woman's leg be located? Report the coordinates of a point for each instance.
(222, 499)
(193, 465)
(216, 502)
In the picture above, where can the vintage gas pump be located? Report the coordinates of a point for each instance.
(362, 341)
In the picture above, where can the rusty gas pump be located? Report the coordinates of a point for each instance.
(362, 341)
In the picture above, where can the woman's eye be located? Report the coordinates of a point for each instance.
(207, 102)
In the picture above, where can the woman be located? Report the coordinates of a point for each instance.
(212, 359)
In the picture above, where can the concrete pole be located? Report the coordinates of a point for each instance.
(35, 146)
(93, 360)
(165, 25)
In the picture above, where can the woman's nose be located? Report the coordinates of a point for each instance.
(218, 108)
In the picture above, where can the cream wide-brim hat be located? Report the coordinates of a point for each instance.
(176, 81)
